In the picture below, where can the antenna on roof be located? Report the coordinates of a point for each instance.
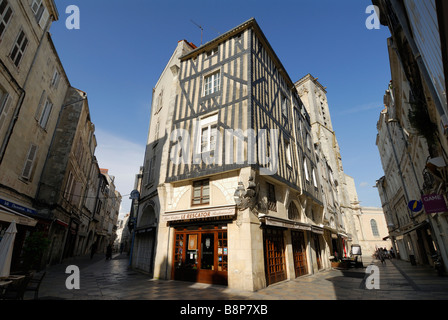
(202, 30)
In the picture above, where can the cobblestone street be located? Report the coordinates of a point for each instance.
(113, 280)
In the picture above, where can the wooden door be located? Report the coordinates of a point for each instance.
(274, 250)
(318, 251)
(201, 256)
(299, 253)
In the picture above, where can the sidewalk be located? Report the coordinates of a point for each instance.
(114, 280)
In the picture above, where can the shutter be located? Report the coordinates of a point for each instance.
(39, 107)
(26, 174)
(4, 111)
(46, 114)
(44, 18)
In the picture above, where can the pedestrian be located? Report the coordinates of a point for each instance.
(109, 252)
(93, 249)
(381, 255)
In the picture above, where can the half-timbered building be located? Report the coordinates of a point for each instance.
(230, 176)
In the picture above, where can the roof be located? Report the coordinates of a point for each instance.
(249, 24)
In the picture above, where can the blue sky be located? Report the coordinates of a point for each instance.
(121, 49)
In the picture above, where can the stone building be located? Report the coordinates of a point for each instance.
(373, 232)
(230, 190)
(32, 90)
(339, 192)
(412, 130)
(47, 142)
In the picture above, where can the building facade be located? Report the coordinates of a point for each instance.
(230, 185)
(339, 192)
(47, 140)
(373, 232)
(412, 136)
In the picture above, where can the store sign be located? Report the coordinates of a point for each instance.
(17, 207)
(199, 214)
(434, 203)
(415, 206)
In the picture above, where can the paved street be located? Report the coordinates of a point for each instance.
(113, 280)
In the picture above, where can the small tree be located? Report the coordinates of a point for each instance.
(35, 246)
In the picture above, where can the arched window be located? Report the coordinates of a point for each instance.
(374, 227)
(148, 217)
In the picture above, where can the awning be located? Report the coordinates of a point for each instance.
(415, 227)
(283, 223)
(317, 230)
(9, 215)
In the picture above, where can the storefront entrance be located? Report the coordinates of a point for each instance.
(318, 251)
(274, 251)
(200, 254)
(299, 253)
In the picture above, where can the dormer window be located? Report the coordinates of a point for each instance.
(212, 52)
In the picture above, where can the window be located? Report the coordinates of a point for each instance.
(288, 153)
(293, 213)
(308, 141)
(212, 52)
(36, 5)
(5, 103)
(209, 132)
(201, 192)
(156, 131)
(45, 115)
(284, 106)
(305, 168)
(69, 186)
(272, 201)
(151, 170)
(40, 12)
(29, 162)
(55, 80)
(5, 16)
(19, 49)
(212, 83)
(314, 178)
(374, 227)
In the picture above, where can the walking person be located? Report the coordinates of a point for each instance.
(109, 252)
(381, 256)
(93, 249)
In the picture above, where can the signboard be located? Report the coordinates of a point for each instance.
(434, 203)
(199, 213)
(17, 207)
(415, 205)
(134, 195)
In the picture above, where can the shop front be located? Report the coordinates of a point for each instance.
(200, 248)
(201, 254)
(274, 252)
(299, 253)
